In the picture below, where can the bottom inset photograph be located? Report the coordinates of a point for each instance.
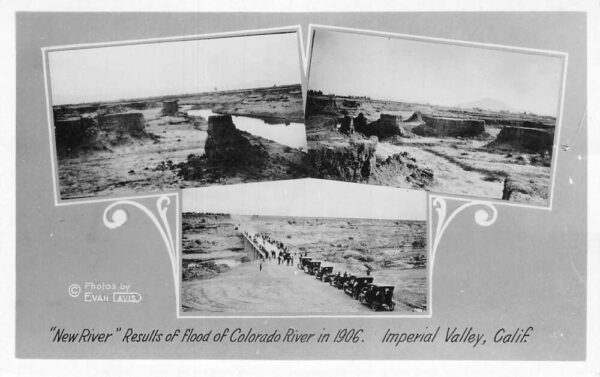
(266, 264)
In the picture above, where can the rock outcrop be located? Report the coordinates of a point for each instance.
(353, 162)
(225, 143)
(528, 139)
(449, 127)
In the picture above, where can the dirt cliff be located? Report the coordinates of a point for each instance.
(386, 126)
(322, 106)
(237, 156)
(170, 108)
(528, 139)
(94, 132)
(125, 123)
(352, 162)
(226, 143)
(71, 135)
(402, 170)
(449, 127)
(415, 117)
(346, 126)
(495, 121)
(512, 186)
(356, 161)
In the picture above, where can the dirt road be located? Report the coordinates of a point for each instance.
(275, 289)
(448, 177)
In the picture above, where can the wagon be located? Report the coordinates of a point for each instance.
(377, 297)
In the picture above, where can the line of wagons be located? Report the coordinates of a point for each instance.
(361, 288)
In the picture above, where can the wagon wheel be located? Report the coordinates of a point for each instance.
(374, 306)
(392, 305)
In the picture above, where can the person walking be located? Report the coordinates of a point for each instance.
(260, 266)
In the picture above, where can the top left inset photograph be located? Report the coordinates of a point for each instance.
(137, 117)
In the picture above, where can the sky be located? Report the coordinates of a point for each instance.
(170, 68)
(309, 198)
(404, 70)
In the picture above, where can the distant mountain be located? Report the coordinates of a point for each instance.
(487, 104)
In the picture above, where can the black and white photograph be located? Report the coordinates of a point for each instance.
(155, 116)
(294, 189)
(443, 116)
(268, 263)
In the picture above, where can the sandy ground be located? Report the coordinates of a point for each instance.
(133, 167)
(277, 288)
(463, 167)
(277, 103)
(460, 166)
(222, 282)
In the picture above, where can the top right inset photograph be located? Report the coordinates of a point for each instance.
(449, 117)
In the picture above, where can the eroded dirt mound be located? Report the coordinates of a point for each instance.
(169, 108)
(356, 161)
(346, 126)
(512, 186)
(386, 126)
(71, 134)
(321, 106)
(234, 156)
(351, 162)
(452, 127)
(98, 132)
(526, 139)
(415, 117)
(400, 168)
(523, 190)
(225, 143)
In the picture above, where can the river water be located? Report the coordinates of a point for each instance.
(293, 134)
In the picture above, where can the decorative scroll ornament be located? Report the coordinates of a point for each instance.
(484, 216)
(115, 216)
